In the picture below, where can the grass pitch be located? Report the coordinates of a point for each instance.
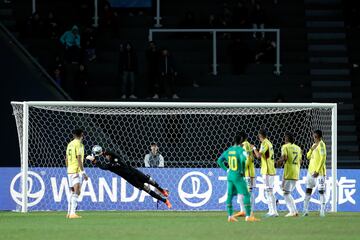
(173, 226)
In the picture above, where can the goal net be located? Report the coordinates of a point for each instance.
(190, 136)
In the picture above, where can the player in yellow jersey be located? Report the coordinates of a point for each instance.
(316, 172)
(268, 171)
(75, 170)
(291, 158)
(249, 176)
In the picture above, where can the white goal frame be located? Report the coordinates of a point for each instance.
(25, 128)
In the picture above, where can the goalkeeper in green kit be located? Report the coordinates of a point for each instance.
(235, 156)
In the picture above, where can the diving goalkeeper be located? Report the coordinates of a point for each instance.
(130, 174)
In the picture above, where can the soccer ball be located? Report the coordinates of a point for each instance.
(96, 150)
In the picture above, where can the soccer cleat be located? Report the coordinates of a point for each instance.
(292, 215)
(168, 204)
(239, 214)
(72, 216)
(232, 219)
(165, 192)
(305, 214)
(251, 219)
(268, 215)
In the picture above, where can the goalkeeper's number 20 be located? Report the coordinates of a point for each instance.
(233, 163)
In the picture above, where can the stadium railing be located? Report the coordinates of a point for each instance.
(214, 45)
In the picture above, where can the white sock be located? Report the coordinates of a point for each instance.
(74, 199)
(306, 203)
(252, 201)
(322, 202)
(273, 202)
(292, 203)
(269, 198)
(288, 203)
(241, 202)
(69, 203)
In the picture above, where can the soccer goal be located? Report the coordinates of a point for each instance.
(190, 136)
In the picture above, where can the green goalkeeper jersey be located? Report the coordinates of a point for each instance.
(235, 156)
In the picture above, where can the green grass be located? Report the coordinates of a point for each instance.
(173, 226)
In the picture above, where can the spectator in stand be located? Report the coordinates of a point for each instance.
(152, 58)
(168, 74)
(225, 20)
(227, 15)
(52, 26)
(240, 15)
(129, 67)
(58, 77)
(35, 25)
(258, 20)
(154, 159)
(213, 21)
(57, 69)
(188, 22)
(267, 53)
(109, 19)
(84, 12)
(279, 98)
(89, 43)
(121, 60)
(71, 42)
(351, 13)
(82, 82)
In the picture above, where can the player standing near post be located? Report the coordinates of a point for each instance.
(291, 156)
(249, 176)
(316, 172)
(75, 169)
(130, 174)
(268, 170)
(235, 156)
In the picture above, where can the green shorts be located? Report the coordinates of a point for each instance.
(237, 186)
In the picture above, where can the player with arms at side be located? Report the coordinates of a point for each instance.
(75, 169)
(235, 156)
(249, 176)
(316, 172)
(130, 174)
(268, 171)
(291, 156)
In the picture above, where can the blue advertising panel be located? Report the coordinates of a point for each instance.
(130, 3)
(190, 189)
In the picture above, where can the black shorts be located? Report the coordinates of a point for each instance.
(137, 179)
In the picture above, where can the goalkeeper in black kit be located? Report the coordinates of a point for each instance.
(130, 174)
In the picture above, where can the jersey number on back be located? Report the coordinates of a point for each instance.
(295, 158)
(233, 163)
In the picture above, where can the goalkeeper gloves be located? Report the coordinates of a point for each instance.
(90, 157)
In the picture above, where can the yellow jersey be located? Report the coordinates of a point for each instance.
(292, 164)
(267, 158)
(317, 159)
(249, 165)
(74, 148)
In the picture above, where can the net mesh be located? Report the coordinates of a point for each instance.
(191, 138)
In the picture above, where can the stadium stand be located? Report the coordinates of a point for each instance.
(317, 54)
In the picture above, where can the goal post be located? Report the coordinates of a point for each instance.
(192, 134)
